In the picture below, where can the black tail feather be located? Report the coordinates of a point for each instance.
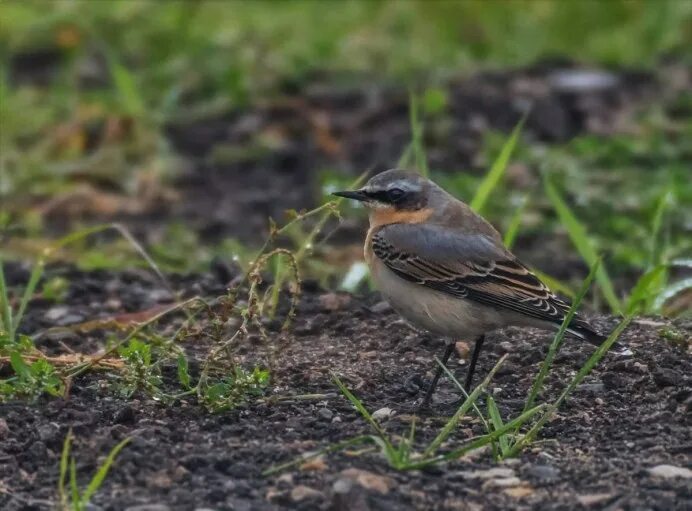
(583, 330)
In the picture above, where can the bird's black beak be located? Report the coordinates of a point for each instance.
(358, 195)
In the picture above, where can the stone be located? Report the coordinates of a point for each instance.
(347, 496)
(546, 473)
(334, 301)
(325, 413)
(4, 429)
(670, 471)
(149, 507)
(314, 465)
(382, 413)
(368, 480)
(503, 482)
(591, 499)
(301, 493)
(491, 473)
(518, 492)
(462, 348)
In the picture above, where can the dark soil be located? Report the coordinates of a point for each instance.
(251, 164)
(631, 414)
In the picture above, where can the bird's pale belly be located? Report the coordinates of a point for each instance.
(432, 310)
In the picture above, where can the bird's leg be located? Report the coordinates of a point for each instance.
(431, 389)
(472, 365)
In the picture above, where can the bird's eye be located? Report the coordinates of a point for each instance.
(395, 194)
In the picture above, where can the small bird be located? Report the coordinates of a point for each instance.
(445, 269)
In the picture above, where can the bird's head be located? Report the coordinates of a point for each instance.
(393, 191)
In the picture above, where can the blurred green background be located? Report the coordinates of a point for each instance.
(90, 92)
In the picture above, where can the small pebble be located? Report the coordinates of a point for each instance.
(325, 413)
(670, 472)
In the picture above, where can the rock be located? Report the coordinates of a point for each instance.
(149, 507)
(368, 480)
(666, 377)
(301, 493)
(491, 473)
(518, 492)
(348, 496)
(55, 313)
(160, 296)
(285, 478)
(334, 301)
(546, 473)
(325, 413)
(670, 471)
(503, 482)
(4, 429)
(462, 349)
(582, 81)
(591, 499)
(382, 413)
(315, 465)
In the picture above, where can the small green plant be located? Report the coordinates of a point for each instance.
(139, 372)
(401, 452)
(72, 498)
(235, 389)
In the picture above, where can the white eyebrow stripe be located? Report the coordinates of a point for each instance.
(404, 185)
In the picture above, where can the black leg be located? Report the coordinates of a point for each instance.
(472, 365)
(433, 384)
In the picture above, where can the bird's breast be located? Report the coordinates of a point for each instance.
(432, 310)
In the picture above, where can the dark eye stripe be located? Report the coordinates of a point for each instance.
(388, 196)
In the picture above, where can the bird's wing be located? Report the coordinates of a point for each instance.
(463, 265)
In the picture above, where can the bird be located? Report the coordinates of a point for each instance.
(445, 269)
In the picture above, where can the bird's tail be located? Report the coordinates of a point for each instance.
(583, 330)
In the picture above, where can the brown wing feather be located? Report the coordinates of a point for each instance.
(505, 284)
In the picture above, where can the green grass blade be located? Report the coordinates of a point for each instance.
(515, 223)
(497, 170)
(5, 309)
(127, 88)
(461, 411)
(74, 489)
(557, 340)
(35, 276)
(417, 148)
(496, 418)
(579, 237)
(363, 411)
(64, 463)
(647, 288)
(581, 374)
(456, 382)
(480, 441)
(102, 472)
(665, 201)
